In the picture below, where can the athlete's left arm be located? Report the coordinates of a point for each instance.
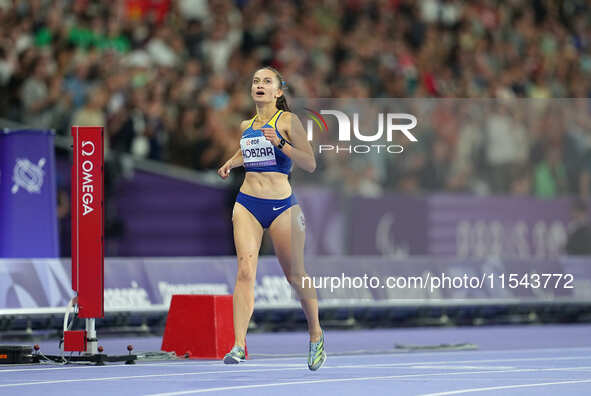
(300, 150)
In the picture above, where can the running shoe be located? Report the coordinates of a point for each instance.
(317, 354)
(235, 356)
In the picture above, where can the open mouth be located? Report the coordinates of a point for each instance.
(259, 93)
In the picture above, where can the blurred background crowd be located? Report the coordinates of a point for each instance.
(170, 80)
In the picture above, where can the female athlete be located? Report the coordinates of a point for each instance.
(271, 141)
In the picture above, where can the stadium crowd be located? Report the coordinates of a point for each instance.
(169, 80)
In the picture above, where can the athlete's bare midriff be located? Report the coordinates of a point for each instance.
(267, 185)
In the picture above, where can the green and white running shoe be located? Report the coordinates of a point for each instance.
(317, 354)
(235, 356)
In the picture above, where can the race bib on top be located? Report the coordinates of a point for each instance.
(257, 151)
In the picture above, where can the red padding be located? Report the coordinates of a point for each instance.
(75, 341)
(200, 325)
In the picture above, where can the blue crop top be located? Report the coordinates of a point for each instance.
(259, 154)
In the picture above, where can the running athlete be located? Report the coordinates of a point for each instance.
(271, 141)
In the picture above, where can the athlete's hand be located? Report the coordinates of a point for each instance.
(271, 136)
(224, 171)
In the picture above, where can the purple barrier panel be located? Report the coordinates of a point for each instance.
(27, 283)
(465, 226)
(458, 226)
(271, 287)
(208, 275)
(28, 218)
(580, 270)
(137, 283)
(168, 217)
(324, 217)
(127, 284)
(426, 278)
(393, 225)
(133, 282)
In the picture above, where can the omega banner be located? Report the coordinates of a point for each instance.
(28, 218)
(87, 220)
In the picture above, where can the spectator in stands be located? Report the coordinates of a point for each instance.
(130, 137)
(184, 139)
(38, 98)
(506, 145)
(521, 181)
(550, 179)
(92, 113)
(155, 130)
(435, 174)
(79, 83)
(579, 230)
(185, 54)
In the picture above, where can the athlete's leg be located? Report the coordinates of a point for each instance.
(288, 235)
(248, 233)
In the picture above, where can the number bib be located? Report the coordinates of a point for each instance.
(257, 151)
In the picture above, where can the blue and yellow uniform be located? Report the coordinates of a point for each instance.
(259, 155)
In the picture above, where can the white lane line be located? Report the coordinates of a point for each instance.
(492, 388)
(225, 372)
(254, 363)
(90, 366)
(65, 381)
(143, 364)
(396, 355)
(276, 384)
(452, 362)
(454, 367)
(403, 355)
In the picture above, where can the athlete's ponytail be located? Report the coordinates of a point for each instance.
(281, 101)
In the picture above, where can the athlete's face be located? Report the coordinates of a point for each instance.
(265, 86)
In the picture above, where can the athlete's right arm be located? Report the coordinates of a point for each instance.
(236, 160)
